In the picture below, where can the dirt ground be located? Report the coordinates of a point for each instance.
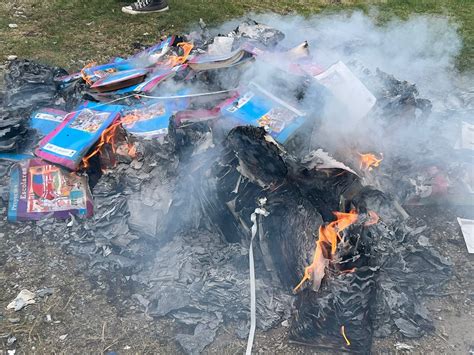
(99, 315)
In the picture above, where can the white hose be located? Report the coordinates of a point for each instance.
(253, 296)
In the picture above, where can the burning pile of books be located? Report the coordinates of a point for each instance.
(185, 136)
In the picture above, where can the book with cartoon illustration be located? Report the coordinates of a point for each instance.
(71, 140)
(258, 107)
(40, 189)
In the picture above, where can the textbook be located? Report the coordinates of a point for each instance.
(45, 120)
(39, 190)
(67, 144)
(258, 107)
(206, 62)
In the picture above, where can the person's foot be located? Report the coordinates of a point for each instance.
(146, 7)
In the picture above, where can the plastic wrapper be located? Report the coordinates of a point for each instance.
(72, 139)
(39, 190)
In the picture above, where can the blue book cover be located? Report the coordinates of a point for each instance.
(73, 138)
(152, 119)
(258, 107)
(45, 120)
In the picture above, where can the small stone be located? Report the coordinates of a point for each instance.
(285, 323)
(63, 337)
(12, 25)
(11, 58)
(47, 291)
(14, 320)
(48, 318)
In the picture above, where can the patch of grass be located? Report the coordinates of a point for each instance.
(72, 32)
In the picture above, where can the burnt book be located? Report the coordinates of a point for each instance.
(207, 62)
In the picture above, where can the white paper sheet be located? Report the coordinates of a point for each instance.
(348, 89)
(467, 228)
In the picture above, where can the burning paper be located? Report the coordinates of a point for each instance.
(321, 160)
(329, 237)
(369, 161)
(40, 190)
(152, 119)
(467, 229)
(71, 140)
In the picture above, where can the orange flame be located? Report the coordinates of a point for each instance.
(176, 60)
(85, 77)
(369, 161)
(329, 234)
(107, 137)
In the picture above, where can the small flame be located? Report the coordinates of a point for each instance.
(329, 234)
(369, 161)
(177, 60)
(107, 137)
(85, 77)
(343, 332)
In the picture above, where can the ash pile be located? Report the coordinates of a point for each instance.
(219, 198)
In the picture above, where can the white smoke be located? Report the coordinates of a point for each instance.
(422, 49)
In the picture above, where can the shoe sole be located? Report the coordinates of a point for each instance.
(133, 12)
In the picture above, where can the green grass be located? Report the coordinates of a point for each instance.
(72, 32)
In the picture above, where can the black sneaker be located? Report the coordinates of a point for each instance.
(146, 7)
